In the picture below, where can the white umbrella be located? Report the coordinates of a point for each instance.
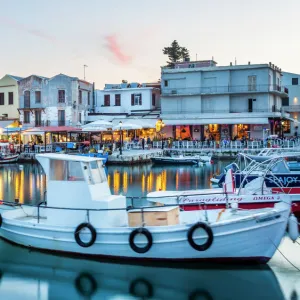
(98, 123)
(127, 126)
(94, 128)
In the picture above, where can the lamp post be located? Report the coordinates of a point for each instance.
(282, 128)
(20, 126)
(120, 124)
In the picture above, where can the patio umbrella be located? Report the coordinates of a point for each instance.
(95, 128)
(98, 123)
(127, 126)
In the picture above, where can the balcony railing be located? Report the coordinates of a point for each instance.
(291, 108)
(259, 88)
(223, 111)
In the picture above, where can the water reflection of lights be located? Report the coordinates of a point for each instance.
(116, 182)
(125, 182)
(150, 182)
(143, 182)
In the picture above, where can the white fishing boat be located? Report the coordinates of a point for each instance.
(81, 217)
(6, 155)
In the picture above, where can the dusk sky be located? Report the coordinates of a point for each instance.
(124, 39)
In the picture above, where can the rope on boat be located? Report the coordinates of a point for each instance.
(285, 256)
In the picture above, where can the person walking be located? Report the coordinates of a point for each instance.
(143, 143)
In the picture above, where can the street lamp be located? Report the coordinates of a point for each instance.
(120, 124)
(20, 126)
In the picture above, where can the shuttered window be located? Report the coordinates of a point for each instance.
(10, 98)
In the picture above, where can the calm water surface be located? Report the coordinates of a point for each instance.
(28, 274)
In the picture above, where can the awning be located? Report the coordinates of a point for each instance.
(42, 130)
(291, 119)
(216, 121)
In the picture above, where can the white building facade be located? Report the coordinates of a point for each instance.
(126, 99)
(291, 104)
(201, 100)
(57, 101)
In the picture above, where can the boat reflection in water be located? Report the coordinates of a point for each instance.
(27, 274)
(27, 182)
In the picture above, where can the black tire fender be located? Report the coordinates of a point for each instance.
(81, 286)
(134, 288)
(200, 294)
(147, 234)
(77, 235)
(209, 232)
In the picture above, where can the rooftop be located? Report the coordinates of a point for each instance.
(68, 157)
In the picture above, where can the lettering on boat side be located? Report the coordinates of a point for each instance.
(286, 180)
(191, 199)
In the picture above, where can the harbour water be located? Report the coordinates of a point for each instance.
(32, 275)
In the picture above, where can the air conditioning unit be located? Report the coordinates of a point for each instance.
(174, 92)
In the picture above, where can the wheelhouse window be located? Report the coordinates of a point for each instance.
(97, 172)
(61, 96)
(37, 96)
(61, 170)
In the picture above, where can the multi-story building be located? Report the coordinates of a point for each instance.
(200, 99)
(126, 100)
(58, 101)
(9, 96)
(291, 104)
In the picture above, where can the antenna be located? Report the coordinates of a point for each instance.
(84, 66)
(196, 56)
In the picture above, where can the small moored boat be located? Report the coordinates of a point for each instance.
(81, 217)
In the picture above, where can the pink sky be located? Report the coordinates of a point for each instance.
(124, 40)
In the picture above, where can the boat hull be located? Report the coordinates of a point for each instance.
(174, 161)
(247, 239)
(9, 160)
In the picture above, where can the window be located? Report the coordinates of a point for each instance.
(251, 83)
(89, 98)
(10, 98)
(1, 98)
(61, 118)
(79, 117)
(80, 97)
(250, 104)
(106, 100)
(26, 117)
(285, 101)
(61, 96)
(26, 99)
(118, 100)
(166, 82)
(153, 99)
(38, 118)
(294, 81)
(61, 170)
(37, 96)
(136, 99)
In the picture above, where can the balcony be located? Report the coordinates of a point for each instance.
(215, 90)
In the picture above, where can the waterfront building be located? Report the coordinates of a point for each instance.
(291, 104)
(57, 101)
(9, 96)
(201, 100)
(127, 99)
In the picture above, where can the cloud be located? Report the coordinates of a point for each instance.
(36, 32)
(116, 50)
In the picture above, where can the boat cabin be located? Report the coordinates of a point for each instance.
(79, 185)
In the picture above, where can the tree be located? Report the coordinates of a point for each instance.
(175, 52)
